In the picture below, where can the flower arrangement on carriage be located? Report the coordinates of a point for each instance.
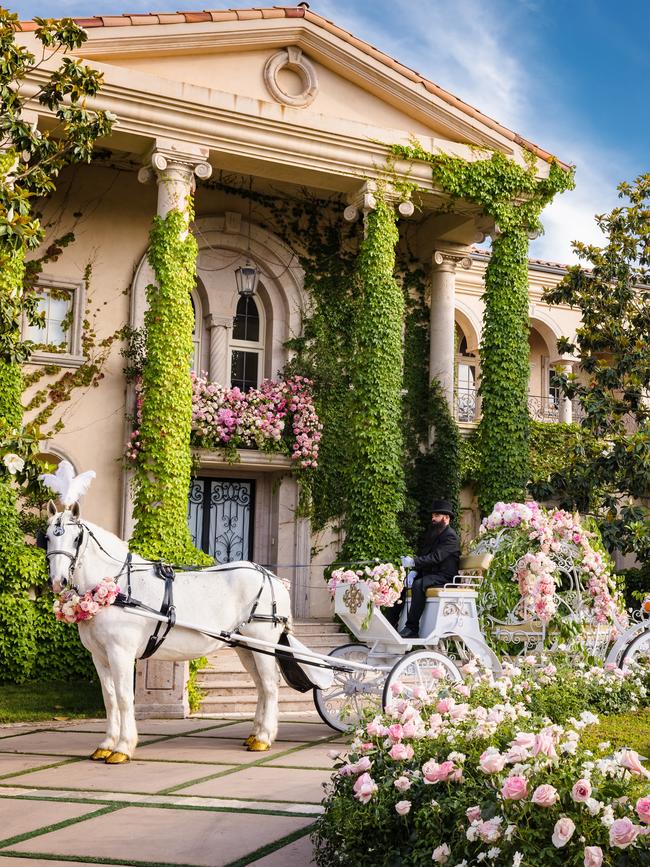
(548, 568)
(384, 583)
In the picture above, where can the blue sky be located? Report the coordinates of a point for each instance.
(571, 75)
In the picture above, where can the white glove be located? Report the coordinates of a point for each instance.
(408, 562)
(410, 578)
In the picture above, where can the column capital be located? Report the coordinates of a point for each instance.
(212, 321)
(364, 199)
(446, 259)
(169, 154)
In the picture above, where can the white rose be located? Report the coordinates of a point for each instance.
(14, 463)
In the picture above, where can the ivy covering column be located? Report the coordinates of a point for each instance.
(162, 478)
(375, 456)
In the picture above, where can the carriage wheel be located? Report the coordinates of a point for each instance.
(353, 693)
(425, 670)
(638, 650)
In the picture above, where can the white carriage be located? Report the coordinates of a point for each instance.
(450, 635)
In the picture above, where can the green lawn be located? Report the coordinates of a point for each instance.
(36, 701)
(622, 730)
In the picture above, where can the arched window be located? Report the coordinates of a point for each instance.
(247, 345)
(466, 380)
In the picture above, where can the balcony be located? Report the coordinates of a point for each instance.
(544, 407)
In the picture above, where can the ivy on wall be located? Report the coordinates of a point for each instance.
(373, 427)
(514, 198)
(162, 476)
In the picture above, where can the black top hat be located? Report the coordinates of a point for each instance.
(442, 507)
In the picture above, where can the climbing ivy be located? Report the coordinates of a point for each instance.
(513, 197)
(162, 476)
(373, 427)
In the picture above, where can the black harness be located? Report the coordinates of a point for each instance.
(165, 572)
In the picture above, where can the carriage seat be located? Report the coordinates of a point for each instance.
(472, 568)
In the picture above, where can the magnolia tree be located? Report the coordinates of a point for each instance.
(609, 473)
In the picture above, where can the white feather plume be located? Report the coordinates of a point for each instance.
(68, 486)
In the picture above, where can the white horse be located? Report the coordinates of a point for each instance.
(80, 555)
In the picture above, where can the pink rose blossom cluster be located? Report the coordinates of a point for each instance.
(279, 414)
(535, 574)
(385, 581)
(70, 607)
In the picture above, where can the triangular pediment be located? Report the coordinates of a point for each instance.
(245, 60)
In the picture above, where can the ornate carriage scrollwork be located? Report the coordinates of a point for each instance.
(353, 599)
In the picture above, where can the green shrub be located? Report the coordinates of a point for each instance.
(17, 639)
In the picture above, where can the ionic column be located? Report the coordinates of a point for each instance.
(161, 686)
(218, 329)
(175, 165)
(442, 320)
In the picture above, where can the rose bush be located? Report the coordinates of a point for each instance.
(489, 772)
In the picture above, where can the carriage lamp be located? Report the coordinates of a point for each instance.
(246, 277)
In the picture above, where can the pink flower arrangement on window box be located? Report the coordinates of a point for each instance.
(279, 416)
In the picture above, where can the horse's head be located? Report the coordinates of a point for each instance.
(63, 543)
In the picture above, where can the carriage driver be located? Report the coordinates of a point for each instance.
(436, 564)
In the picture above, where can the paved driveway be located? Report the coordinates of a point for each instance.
(193, 796)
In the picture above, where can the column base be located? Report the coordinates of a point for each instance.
(161, 689)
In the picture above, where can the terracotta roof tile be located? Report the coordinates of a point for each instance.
(89, 22)
(197, 17)
(325, 24)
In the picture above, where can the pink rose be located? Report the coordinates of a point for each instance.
(491, 761)
(441, 854)
(364, 788)
(581, 791)
(545, 796)
(445, 705)
(400, 752)
(402, 784)
(375, 728)
(402, 807)
(562, 832)
(395, 732)
(409, 729)
(623, 832)
(438, 773)
(364, 764)
(544, 744)
(643, 809)
(525, 740)
(473, 814)
(629, 759)
(490, 831)
(593, 856)
(515, 788)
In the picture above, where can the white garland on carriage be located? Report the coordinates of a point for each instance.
(550, 567)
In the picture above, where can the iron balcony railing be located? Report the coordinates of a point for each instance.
(544, 407)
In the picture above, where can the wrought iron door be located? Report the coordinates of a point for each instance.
(220, 517)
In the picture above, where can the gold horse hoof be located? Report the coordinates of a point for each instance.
(99, 755)
(256, 746)
(249, 740)
(117, 759)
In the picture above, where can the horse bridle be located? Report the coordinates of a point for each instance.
(79, 548)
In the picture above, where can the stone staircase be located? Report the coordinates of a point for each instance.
(230, 691)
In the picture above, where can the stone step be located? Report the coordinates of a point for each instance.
(243, 706)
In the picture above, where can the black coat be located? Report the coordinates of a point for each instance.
(439, 555)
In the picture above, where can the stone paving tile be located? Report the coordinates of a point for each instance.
(150, 726)
(153, 834)
(37, 861)
(20, 817)
(296, 854)
(311, 757)
(264, 783)
(147, 777)
(287, 731)
(199, 749)
(62, 743)
(12, 764)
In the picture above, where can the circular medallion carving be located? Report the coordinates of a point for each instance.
(293, 59)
